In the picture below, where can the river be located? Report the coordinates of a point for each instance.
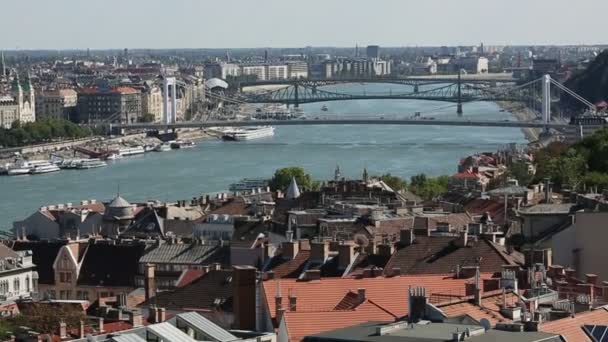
(213, 165)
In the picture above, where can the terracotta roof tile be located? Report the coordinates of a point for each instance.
(283, 268)
(301, 324)
(490, 308)
(571, 328)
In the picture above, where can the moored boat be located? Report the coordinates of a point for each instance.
(248, 133)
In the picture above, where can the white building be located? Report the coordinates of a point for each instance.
(258, 70)
(277, 72)
(18, 278)
(298, 69)
(20, 105)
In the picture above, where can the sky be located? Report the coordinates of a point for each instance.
(80, 24)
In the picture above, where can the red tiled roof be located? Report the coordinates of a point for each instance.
(571, 328)
(188, 276)
(291, 268)
(301, 324)
(233, 207)
(490, 308)
(389, 293)
(480, 206)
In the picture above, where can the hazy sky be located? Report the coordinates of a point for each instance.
(61, 24)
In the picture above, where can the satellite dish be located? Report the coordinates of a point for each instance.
(485, 324)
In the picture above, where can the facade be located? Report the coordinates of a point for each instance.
(19, 105)
(152, 102)
(277, 72)
(357, 67)
(373, 52)
(298, 69)
(472, 65)
(18, 278)
(260, 71)
(57, 104)
(121, 104)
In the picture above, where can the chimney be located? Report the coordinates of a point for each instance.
(162, 314)
(280, 313)
(278, 301)
(293, 301)
(346, 255)
(570, 273)
(63, 330)
(417, 303)
(386, 249)
(395, 271)
(81, 329)
(372, 248)
(100, 324)
(407, 237)
(463, 240)
(361, 294)
(319, 251)
(290, 249)
(136, 318)
(149, 281)
(591, 278)
(312, 275)
(244, 290)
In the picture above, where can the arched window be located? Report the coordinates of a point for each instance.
(16, 285)
(27, 284)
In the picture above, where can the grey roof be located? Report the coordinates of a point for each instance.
(216, 82)
(169, 333)
(293, 191)
(510, 190)
(119, 202)
(207, 327)
(548, 209)
(182, 254)
(127, 338)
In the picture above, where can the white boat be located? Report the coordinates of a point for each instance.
(248, 133)
(23, 167)
(182, 144)
(248, 184)
(131, 151)
(91, 164)
(114, 156)
(164, 147)
(44, 168)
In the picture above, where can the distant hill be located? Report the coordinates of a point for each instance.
(592, 84)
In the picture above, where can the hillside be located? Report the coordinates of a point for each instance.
(592, 84)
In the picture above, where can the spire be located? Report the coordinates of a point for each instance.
(2, 66)
(337, 174)
(365, 176)
(293, 191)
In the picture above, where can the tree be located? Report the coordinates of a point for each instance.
(521, 172)
(596, 180)
(148, 117)
(395, 182)
(429, 187)
(282, 178)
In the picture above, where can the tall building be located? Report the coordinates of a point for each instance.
(19, 105)
(373, 52)
(152, 101)
(121, 104)
(56, 104)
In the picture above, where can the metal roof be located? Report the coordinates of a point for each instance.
(207, 327)
(180, 254)
(127, 338)
(169, 333)
(119, 202)
(216, 82)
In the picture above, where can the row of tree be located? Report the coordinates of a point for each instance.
(421, 185)
(40, 132)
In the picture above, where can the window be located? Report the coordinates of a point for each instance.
(27, 284)
(17, 285)
(68, 277)
(61, 277)
(597, 333)
(85, 295)
(78, 294)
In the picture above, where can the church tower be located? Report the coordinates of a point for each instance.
(337, 174)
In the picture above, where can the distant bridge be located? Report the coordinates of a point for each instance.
(412, 81)
(318, 121)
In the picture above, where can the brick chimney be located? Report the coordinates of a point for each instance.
(244, 289)
(162, 315)
(406, 237)
(463, 239)
(346, 255)
(312, 275)
(417, 303)
(591, 278)
(293, 300)
(319, 251)
(290, 249)
(149, 281)
(136, 318)
(361, 294)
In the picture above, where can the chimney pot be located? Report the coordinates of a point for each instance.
(149, 281)
(361, 294)
(346, 255)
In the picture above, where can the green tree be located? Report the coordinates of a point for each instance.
(597, 180)
(148, 117)
(282, 178)
(429, 187)
(521, 172)
(395, 182)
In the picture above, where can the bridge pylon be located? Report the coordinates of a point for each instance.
(459, 105)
